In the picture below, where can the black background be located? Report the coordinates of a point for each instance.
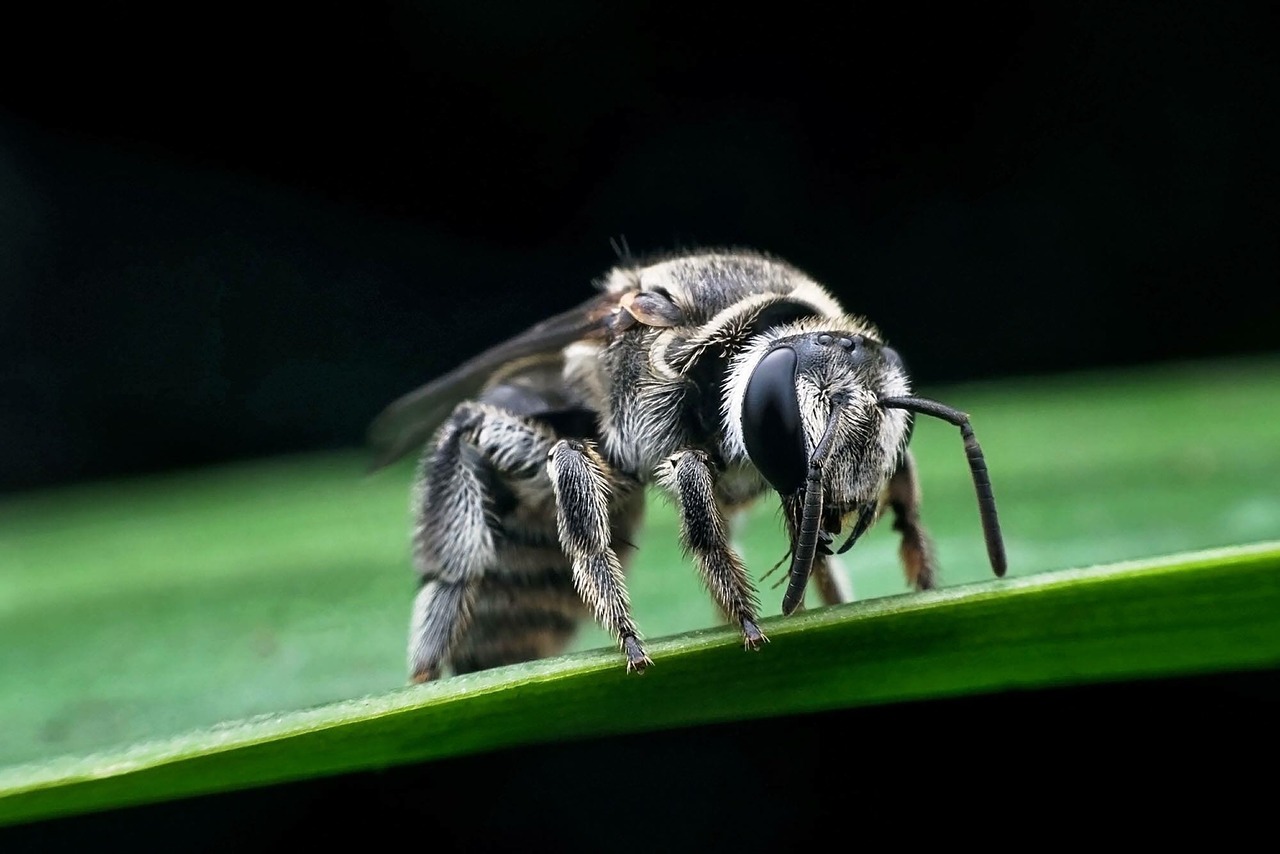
(1155, 759)
(229, 230)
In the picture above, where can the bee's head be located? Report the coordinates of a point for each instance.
(802, 384)
(823, 415)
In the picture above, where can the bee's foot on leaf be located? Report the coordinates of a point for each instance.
(637, 661)
(752, 637)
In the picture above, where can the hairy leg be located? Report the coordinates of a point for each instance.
(916, 549)
(581, 482)
(705, 535)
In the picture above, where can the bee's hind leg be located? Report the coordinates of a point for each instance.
(453, 540)
(439, 616)
(916, 549)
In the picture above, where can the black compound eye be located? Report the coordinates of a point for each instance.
(771, 427)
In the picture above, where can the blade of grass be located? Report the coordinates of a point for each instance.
(140, 609)
(1185, 614)
(136, 610)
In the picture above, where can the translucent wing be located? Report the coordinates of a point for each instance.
(408, 422)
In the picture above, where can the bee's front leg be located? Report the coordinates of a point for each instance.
(580, 479)
(916, 550)
(831, 580)
(705, 535)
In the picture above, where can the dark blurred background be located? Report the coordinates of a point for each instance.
(230, 231)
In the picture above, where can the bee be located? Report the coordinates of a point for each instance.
(713, 375)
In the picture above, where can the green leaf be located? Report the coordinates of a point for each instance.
(137, 618)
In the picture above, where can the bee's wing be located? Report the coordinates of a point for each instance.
(408, 422)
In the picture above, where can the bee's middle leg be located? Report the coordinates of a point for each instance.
(705, 535)
(580, 479)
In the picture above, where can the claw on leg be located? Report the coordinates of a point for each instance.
(637, 661)
(752, 637)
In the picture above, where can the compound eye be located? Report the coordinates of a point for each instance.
(771, 427)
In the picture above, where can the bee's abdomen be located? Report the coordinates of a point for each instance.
(497, 587)
(526, 605)
(520, 615)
